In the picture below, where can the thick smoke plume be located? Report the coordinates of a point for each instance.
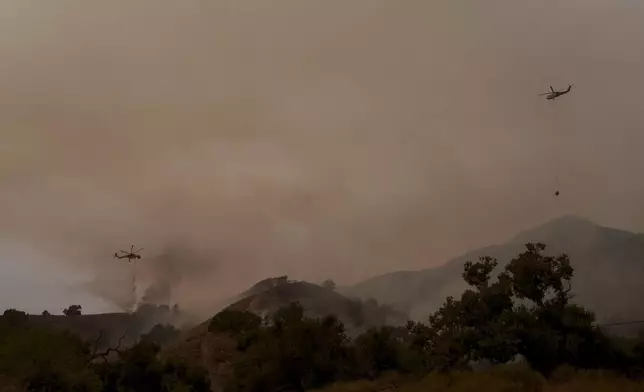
(235, 140)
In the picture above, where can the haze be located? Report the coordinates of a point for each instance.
(317, 139)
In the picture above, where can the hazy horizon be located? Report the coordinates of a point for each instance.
(235, 140)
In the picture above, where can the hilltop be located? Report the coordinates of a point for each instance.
(216, 351)
(111, 327)
(270, 294)
(608, 267)
(238, 354)
(607, 262)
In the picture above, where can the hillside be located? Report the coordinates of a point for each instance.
(215, 351)
(270, 294)
(609, 267)
(111, 326)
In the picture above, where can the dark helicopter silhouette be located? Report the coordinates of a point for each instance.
(131, 255)
(553, 94)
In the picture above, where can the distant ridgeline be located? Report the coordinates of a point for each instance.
(268, 295)
(607, 266)
(112, 326)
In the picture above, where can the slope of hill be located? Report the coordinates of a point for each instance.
(317, 301)
(111, 326)
(609, 267)
(216, 351)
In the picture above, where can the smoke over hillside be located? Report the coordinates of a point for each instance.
(327, 139)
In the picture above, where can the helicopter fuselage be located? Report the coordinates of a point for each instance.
(557, 94)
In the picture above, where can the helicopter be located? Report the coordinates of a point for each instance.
(553, 94)
(131, 255)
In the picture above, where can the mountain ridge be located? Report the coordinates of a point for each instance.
(605, 261)
(268, 295)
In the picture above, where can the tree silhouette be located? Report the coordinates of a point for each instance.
(73, 310)
(329, 284)
(525, 311)
(14, 317)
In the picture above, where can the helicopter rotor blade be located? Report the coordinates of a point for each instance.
(137, 251)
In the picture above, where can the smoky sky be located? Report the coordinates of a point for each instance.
(319, 139)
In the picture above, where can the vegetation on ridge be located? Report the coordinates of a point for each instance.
(37, 358)
(524, 312)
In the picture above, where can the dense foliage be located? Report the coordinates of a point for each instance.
(161, 334)
(525, 311)
(522, 311)
(287, 351)
(42, 359)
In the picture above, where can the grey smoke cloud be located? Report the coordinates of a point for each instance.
(315, 139)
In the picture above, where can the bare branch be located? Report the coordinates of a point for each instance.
(104, 354)
(96, 342)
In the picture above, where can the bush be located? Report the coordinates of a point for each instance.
(14, 317)
(161, 334)
(496, 380)
(293, 352)
(243, 326)
(378, 351)
(41, 358)
(139, 369)
(34, 358)
(234, 322)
